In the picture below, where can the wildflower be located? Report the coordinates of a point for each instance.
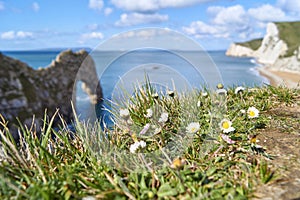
(171, 93)
(155, 96)
(220, 86)
(149, 113)
(163, 117)
(239, 89)
(243, 111)
(124, 113)
(253, 138)
(142, 144)
(204, 94)
(221, 91)
(136, 145)
(177, 163)
(193, 127)
(227, 139)
(252, 112)
(226, 126)
(198, 103)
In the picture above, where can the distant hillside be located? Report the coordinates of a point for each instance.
(252, 44)
(289, 32)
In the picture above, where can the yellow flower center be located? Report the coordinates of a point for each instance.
(251, 113)
(220, 86)
(193, 129)
(225, 125)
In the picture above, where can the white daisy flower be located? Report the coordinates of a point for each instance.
(134, 147)
(124, 113)
(239, 89)
(252, 112)
(170, 93)
(149, 113)
(198, 103)
(155, 96)
(163, 117)
(226, 126)
(142, 144)
(204, 94)
(221, 91)
(193, 127)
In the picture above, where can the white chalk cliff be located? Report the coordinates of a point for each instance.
(271, 53)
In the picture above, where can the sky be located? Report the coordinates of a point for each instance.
(214, 24)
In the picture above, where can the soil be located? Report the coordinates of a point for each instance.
(282, 141)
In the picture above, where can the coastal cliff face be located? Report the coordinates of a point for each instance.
(272, 51)
(25, 92)
(239, 51)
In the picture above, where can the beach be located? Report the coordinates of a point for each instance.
(277, 78)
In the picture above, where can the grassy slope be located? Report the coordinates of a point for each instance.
(252, 44)
(289, 32)
(71, 169)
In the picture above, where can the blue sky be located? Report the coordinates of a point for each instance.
(214, 24)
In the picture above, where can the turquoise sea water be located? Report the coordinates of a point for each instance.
(159, 65)
(234, 71)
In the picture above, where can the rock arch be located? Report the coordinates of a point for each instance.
(25, 92)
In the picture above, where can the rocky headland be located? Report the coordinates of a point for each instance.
(278, 51)
(25, 92)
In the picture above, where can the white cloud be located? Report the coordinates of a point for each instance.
(214, 10)
(96, 4)
(233, 15)
(108, 11)
(292, 6)
(235, 22)
(2, 7)
(10, 35)
(22, 34)
(266, 13)
(139, 18)
(200, 29)
(153, 5)
(92, 35)
(225, 22)
(35, 6)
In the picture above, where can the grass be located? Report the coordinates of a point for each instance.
(252, 44)
(176, 163)
(289, 33)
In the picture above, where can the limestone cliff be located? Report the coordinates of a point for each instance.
(239, 51)
(279, 49)
(25, 92)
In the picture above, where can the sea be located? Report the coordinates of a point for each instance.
(166, 69)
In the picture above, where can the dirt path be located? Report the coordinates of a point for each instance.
(282, 140)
